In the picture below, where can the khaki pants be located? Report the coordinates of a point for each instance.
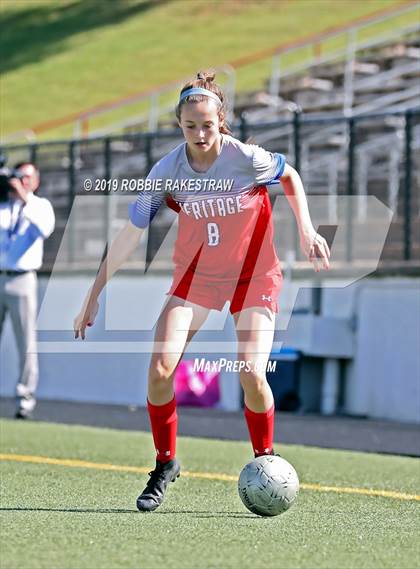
(18, 297)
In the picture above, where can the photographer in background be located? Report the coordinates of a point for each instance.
(25, 221)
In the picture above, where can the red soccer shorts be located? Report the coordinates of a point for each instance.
(257, 291)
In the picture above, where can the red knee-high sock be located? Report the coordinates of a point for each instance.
(164, 423)
(261, 430)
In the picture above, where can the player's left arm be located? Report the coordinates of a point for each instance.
(312, 243)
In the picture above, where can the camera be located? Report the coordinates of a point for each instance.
(6, 174)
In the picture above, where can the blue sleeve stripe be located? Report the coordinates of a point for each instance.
(144, 209)
(281, 163)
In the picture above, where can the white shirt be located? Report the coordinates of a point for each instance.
(23, 228)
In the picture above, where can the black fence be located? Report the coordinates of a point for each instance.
(375, 154)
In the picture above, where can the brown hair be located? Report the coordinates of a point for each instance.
(205, 80)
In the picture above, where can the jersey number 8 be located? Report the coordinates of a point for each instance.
(213, 234)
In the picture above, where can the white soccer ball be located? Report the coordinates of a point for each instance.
(268, 485)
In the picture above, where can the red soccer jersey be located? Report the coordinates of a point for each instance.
(225, 228)
(226, 238)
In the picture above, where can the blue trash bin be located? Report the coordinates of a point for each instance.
(284, 380)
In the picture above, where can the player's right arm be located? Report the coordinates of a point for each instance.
(120, 250)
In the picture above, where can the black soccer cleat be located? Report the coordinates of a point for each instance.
(154, 493)
(20, 414)
(25, 405)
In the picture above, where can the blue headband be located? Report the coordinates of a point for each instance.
(199, 91)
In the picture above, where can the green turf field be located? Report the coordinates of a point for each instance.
(82, 514)
(62, 57)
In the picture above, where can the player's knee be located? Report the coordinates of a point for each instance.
(253, 382)
(161, 371)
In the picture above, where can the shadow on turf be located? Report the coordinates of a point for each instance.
(211, 514)
(197, 514)
(72, 510)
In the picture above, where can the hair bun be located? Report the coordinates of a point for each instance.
(206, 76)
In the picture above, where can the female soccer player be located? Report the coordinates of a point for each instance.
(224, 252)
